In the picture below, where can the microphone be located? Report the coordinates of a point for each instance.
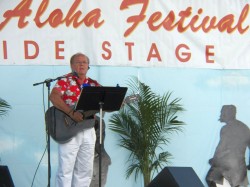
(74, 73)
(85, 85)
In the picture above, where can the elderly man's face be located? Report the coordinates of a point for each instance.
(80, 65)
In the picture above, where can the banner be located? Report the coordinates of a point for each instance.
(141, 33)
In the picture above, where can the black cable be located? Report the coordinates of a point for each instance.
(38, 165)
(46, 142)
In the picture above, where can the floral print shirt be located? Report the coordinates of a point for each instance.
(70, 88)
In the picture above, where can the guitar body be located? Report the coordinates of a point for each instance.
(62, 128)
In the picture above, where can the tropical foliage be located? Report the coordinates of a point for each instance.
(143, 126)
(4, 107)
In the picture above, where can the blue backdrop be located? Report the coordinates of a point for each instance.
(203, 92)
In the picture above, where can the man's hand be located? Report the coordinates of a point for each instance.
(76, 116)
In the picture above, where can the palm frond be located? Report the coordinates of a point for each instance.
(4, 107)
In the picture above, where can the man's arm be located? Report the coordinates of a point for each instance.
(56, 99)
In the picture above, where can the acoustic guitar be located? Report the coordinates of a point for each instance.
(63, 128)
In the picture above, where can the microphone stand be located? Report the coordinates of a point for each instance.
(48, 83)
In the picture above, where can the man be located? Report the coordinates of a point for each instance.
(228, 162)
(75, 167)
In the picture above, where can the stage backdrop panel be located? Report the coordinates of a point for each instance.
(163, 33)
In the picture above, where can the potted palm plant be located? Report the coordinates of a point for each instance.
(143, 126)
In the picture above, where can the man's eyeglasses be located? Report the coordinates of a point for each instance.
(82, 62)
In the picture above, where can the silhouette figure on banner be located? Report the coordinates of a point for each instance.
(228, 163)
(106, 161)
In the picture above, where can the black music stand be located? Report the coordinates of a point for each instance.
(107, 99)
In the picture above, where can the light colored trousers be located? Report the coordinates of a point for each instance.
(76, 157)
